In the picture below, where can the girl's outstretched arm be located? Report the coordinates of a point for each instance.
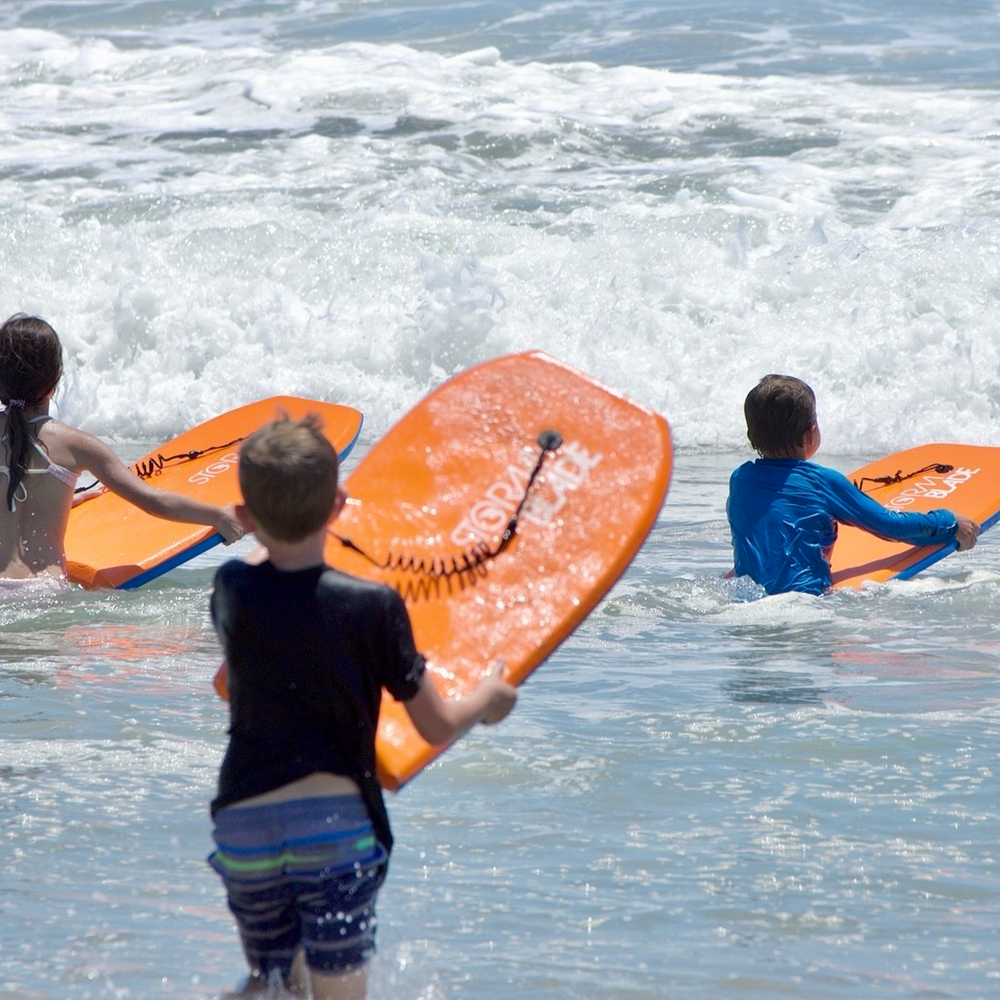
(97, 458)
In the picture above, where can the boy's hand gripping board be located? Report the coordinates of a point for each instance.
(959, 477)
(432, 499)
(111, 543)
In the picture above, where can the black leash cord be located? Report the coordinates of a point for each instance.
(438, 567)
(154, 465)
(900, 477)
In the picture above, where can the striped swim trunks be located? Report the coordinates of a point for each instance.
(301, 874)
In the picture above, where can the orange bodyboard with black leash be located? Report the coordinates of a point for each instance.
(112, 543)
(579, 469)
(963, 478)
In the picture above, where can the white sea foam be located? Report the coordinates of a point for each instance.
(359, 221)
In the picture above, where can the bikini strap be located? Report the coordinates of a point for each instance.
(20, 494)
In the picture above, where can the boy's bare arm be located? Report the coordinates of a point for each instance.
(439, 720)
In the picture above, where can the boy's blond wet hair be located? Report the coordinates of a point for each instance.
(288, 475)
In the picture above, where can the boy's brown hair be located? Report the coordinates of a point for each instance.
(780, 410)
(288, 475)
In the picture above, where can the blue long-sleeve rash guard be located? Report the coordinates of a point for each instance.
(783, 513)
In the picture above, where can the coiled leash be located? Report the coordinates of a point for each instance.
(441, 567)
(155, 464)
(900, 477)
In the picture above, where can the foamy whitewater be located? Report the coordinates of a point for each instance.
(702, 794)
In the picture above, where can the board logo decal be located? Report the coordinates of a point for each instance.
(932, 487)
(490, 515)
(219, 467)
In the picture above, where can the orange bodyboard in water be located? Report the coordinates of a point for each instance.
(959, 477)
(445, 482)
(111, 543)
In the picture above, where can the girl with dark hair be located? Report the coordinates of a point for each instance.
(41, 459)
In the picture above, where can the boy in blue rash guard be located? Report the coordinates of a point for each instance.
(783, 509)
(301, 829)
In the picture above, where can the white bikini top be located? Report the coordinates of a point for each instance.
(51, 469)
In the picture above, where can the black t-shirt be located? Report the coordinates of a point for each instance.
(308, 654)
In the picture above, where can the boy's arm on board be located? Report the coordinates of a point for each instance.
(440, 720)
(851, 506)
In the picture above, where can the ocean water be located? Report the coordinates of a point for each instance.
(702, 793)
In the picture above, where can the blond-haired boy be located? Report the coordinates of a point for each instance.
(301, 829)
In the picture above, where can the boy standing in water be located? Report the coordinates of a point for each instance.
(783, 509)
(301, 829)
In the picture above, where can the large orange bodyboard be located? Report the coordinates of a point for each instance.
(959, 477)
(439, 490)
(111, 543)
(449, 476)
